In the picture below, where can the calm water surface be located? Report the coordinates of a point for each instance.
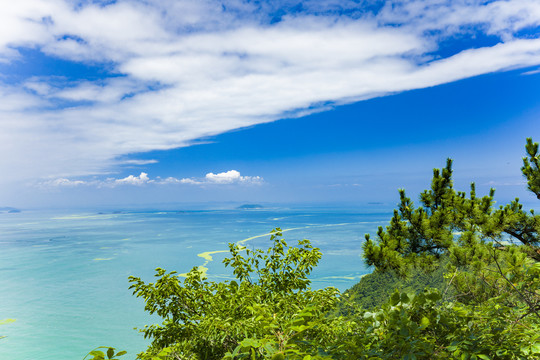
(63, 277)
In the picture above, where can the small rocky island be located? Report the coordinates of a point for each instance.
(250, 207)
(9, 210)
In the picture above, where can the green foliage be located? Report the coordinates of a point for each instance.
(489, 249)
(418, 237)
(493, 266)
(425, 327)
(284, 339)
(531, 167)
(375, 289)
(493, 260)
(110, 354)
(206, 320)
(454, 278)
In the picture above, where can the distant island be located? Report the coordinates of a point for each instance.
(250, 207)
(9, 210)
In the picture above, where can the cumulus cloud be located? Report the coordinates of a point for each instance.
(134, 180)
(231, 176)
(165, 73)
(227, 177)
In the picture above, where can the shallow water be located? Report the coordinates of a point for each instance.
(63, 277)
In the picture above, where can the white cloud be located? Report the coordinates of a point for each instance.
(134, 180)
(173, 180)
(63, 182)
(227, 177)
(190, 69)
(231, 176)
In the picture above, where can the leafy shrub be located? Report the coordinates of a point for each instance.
(205, 319)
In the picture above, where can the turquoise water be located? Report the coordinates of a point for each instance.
(63, 277)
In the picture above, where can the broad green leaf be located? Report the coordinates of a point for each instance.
(424, 322)
(394, 300)
(404, 298)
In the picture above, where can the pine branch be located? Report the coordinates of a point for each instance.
(532, 307)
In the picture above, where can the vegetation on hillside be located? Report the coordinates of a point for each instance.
(376, 288)
(487, 306)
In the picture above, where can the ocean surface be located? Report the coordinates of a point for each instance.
(64, 276)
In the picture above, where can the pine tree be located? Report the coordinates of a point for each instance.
(531, 168)
(492, 252)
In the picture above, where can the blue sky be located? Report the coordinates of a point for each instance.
(129, 103)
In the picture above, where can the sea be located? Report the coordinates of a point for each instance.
(64, 274)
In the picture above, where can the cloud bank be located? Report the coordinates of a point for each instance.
(231, 177)
(162, 74)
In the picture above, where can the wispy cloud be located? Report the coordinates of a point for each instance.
(138, 162)
(532, 72)
(63, 182)
(175, 71)
(506, 183)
